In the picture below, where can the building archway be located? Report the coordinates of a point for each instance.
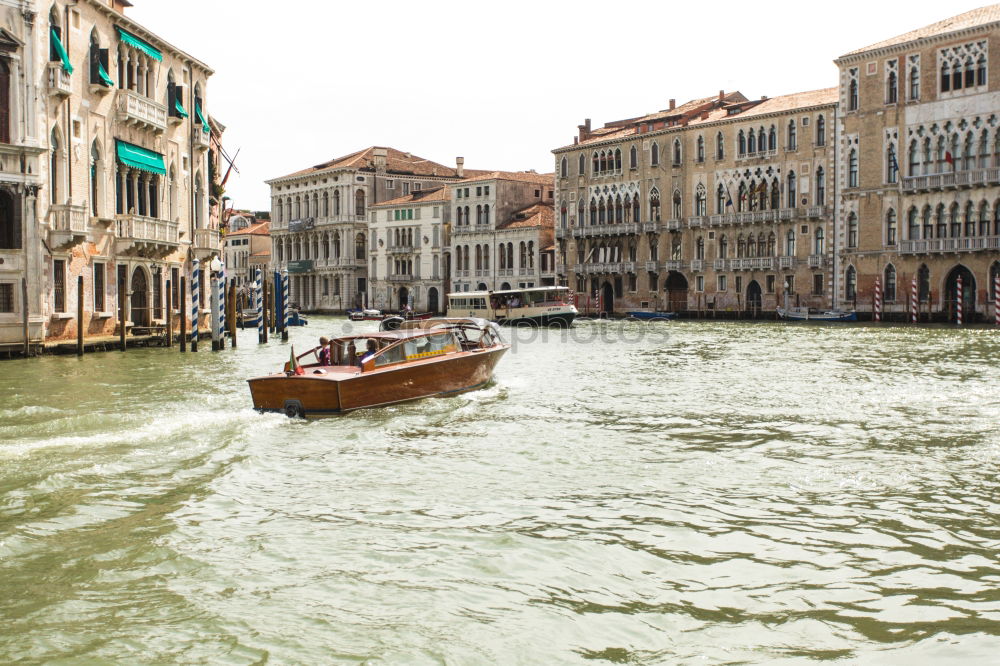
(404, 297)
(481, 286)
(432, 300)
(755, 298)
(676, 288)
(140, 298)
(607, 305)
(968, 293)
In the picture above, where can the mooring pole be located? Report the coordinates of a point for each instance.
(183, 315)
(286, 312)
(170, 315)
(79, 315)
(195, 302)
(24, 316)
(266, 311)
(121, 311)
(231, 316)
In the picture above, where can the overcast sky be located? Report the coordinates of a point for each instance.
(500, 83)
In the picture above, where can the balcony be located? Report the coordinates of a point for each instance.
(816, 211)
(675, 264)
(599, 267)
(58, 80)
(628, 267)
(482, 273)
(145, 236)
(606, 230)
(526, 270)
(67, 225)
(759, 155)
(140, 111)
(505, 272)
(816, 261)
(719, 264)
(786, 262)
(652, 227)
(651, 266)
(402, 277)
(202, 139)
(972, 244)
(402, 248)
(207, 242)
(462, 274)
(786, 214)
(674, 225)
(697, 265)
(696, 222)
(954, 180)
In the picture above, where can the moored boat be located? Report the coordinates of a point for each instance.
(424, 358)
(248, 318)
(647, 315)
(532, 306)
(814, 314)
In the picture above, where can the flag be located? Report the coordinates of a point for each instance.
(293, 364)
(892, 158)
(948, 158)
(729, 197)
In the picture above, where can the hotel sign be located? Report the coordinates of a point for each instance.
(300, 266)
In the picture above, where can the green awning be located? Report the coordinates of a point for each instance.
(61, 51)
(204, 123)
(101, 72)
(180, 109)
(135, 42)
(138, 157)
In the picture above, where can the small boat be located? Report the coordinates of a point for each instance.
(248, 318)
(646, 315)
(424, 358)
(365, 315)
(814, 314)
(531, 306)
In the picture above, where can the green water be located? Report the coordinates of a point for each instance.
(689, 493)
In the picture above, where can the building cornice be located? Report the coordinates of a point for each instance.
(915, 44)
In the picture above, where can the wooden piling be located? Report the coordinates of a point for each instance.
(231, 314)
(121, 312)
(264, 309)
(24, 316)
(181, 308)
(79, 315)
(170, 316)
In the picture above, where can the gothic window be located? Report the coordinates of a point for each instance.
(889, 293)
(914, 77)
(940, 222)
(633, 158)
(792, 141)
(852, 91)
(970, 219)
(336, 202)
(791, 203)
(359, 203)
(892, 165)
(720, 200)
(914, 155)
(945, 77)
(852, 230)
(928, 225)
(701, 149)
(772, 139)
(984, 219)
(752, 143)
(563, 167)
(720, 146)
(582, 167)
(701, 201)
(723, 247)
(890, 227)
(819, 241)
(741, 143)
(891, 83)
(654, 154)
(775, 194)
(821, 131)
(326, 204)
(820, 186)
(912, 225)
(654, 205)
(677, 152)
(852, 168)
(677, 210)
(618, 159)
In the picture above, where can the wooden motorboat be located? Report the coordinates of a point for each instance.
(423, 358)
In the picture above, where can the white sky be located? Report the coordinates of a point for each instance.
(501, 83)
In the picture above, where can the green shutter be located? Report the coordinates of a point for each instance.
(138, 157)
(104, 75)
(180, 109)
(61, 51)
(201, 118)
(135, 42)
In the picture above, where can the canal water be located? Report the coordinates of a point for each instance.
(692, 492)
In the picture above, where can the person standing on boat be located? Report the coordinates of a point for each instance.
(324, 351)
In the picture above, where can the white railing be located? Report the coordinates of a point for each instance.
(401, 277)
(674, 224)
(146, 229)
(462, 273)
(674, 264)
(695, 221)
(815, 211)
(816, 261)
(207, 239)
(786, 262)
(651, 226)
(651, 266)
(138, 109)
(64, 217)
(697, 264)
(719, 264)
(526, 270)
(964, 178)
(202, 139)
(758, 155)
(606, 229)
(971, 244)
(402, 248)
(58, 79)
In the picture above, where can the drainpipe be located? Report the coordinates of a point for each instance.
(69, 121)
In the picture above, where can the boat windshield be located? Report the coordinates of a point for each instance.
(418, 348)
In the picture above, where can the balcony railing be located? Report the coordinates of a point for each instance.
(786, 262)
(207, 240)
(719, 264)
(526, 270)
(600, 267)
(651, 266)
(674, 264)
(505, 272)
(462, 274)
(816, 261)
(696, 222)
(606, 230)
(202, 139)
(970, 244)
(67, 224)
(401, 277)
(674, 224)
(58, 80)
(651, 226)
(406, 247)
(816, 211)
(138, 110)
(145, 235)
(964, 178)
(697, 264)
(758, 155)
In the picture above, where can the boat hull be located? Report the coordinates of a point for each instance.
(311, 395)
(818, 316)
(564, 319)
(652, 316)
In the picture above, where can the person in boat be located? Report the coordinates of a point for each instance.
(324, 351)
(372, 348)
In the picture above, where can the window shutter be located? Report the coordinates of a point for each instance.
(53, 54)
(171, 92)
(179, 99)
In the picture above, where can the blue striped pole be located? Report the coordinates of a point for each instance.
(285, 293)
(259, 286)
(221, 314)
(195, 287)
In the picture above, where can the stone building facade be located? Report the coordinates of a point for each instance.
(320, 220)
(722, 203)
(501, 233)
(409, 242)
(243, 248)
(112, 121)
(919, 169)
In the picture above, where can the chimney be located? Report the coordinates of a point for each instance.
(379, 154)
(576, 140)
(460, 166)
(763, 97)
(673, 104)
(584, 130)
(722, 95)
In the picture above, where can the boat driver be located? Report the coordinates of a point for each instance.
(372, 348)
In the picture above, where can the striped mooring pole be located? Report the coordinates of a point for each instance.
(913, 300)
(285, 294)
(260, 305)
(958, 300)
(996, 299)
(877, 305)
(195, 289)
(221, 313)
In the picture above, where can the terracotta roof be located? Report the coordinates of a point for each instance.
(259, 229)
(396, 162)
(262, 253)
(535, 215)
(969, 19)
(801, 100)
(421, 196)
(521, 176)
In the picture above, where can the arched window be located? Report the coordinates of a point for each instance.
(914, 82)
(326, 204)
(851, 283)
(677, 152)
(723, 247)
(970, 219)
(677, 208)
(564, 167)
(954, 222)
(618, 159)
(890, 227)
(923, 283)
(741, 197)
(359, 204)
(984, 219)
(55, 167)
(654, 154)
(700, 201)
(891, 88)
(458, 216)
(792, 136)
(751, 142)
(970, 152)
(593, 212)
(633, 158)
(821, 131)
(889, 291)
(912, 224)
(819, 241)
(852, 230)
(95, 163)
(720, 146)
(852, 96)
(582, 167)
(790, 243)
(199, 201)
(820, 186)
(595, 167)
(486, 213)
(945, 77)
(914, 158)
(636, 208)
(775, 195)
(654, 205)
(981, 70)
(699, 248)
(892, 166)
(791, 201)
(701, 149)
(720, 200)
(741, 247)
(359, 246)
(479, 214)
(741, 143)
(772, 139)
(940, 222)
(852, 168)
